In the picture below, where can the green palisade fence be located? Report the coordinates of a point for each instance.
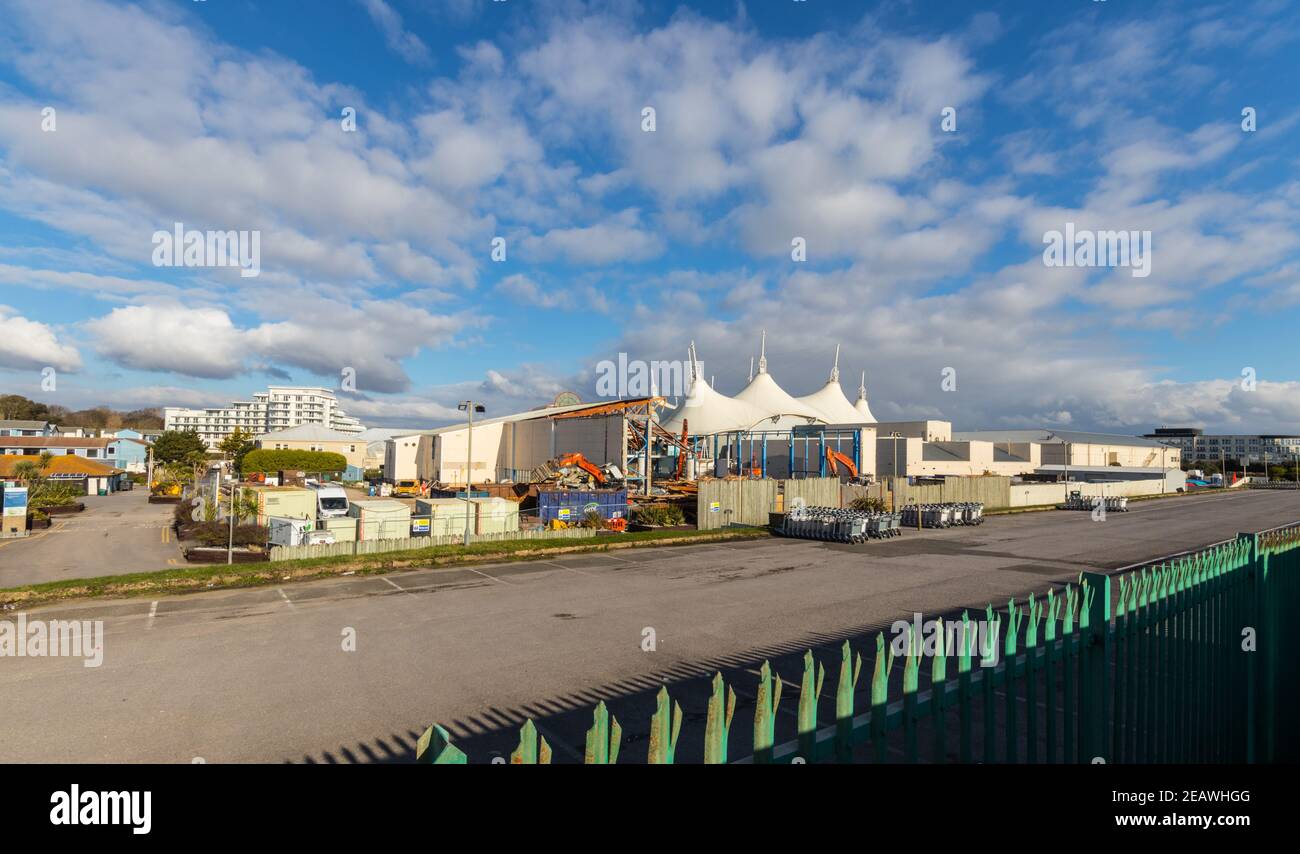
(1185, 660)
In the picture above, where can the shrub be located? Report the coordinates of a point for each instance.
(660, 514)
(313, 462)
(218, 534)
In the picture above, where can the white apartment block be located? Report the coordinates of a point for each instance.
(277, 408)
(1196, 445)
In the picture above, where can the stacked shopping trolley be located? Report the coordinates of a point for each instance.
(1112, 503)
(944, 515)
(839, 525)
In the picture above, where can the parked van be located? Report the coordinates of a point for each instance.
(331, 500)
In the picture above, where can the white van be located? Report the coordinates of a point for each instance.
(331, 500)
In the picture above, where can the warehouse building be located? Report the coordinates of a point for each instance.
(507, 448)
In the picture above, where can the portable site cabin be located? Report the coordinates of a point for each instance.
(447, 515)
(288, 501)
(381, 519)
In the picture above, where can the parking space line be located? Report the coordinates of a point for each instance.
(153, 611)
(491, 577)
(285, 597)
(569, 568)
(393, 584)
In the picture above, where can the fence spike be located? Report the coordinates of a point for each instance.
(912, 662)
(717, 728)
(1035, 615)
(765, 707)
(965, 644)
(665, 726)
(603, 738)
(939, 664)
(435, 748)
(532, 749)
(883, 667)
(810, 689)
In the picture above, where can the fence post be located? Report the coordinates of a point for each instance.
(1254, 590)
(1094, 624)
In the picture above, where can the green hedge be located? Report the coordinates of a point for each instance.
(311, 462)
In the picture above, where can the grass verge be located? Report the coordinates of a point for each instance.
(201, 577)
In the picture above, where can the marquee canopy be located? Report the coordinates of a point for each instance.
(764, 404)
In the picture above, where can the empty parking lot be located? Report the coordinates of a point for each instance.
(262, 674)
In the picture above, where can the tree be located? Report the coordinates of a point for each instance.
(19, 408)
(236, 446)
(175, 446)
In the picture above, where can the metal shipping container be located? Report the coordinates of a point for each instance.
(446, 515)
(570, 505)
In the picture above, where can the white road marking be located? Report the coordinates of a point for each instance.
(569, 568)
(393, 584)
(285, 597)
(491, 577)
(153, 610)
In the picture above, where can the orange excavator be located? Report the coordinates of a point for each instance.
(835, 460)
(576, 459)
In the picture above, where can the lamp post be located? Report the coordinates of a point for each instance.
(230, 543)
(469, 407)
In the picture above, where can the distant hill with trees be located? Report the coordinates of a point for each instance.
(19, 408)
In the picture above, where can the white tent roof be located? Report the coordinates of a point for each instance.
(763, 404)
(830, 401)
(707, 411)
(861, 404)
(767, 397)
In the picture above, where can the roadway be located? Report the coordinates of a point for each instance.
(121, 532)
(262, 674)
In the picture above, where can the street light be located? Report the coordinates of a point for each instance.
(469, 407)
(895, 436)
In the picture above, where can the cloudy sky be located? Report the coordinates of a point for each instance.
(820, 120)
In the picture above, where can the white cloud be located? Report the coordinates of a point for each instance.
(400, 41)
(29, 344)
(372, 339)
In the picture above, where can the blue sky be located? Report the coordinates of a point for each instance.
(774, 120)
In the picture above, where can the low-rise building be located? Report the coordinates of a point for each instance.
(16, 427)
(313, 437)
(91, 476)
(34, 446)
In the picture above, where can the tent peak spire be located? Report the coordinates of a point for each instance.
(835, 370)
(762, 353)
